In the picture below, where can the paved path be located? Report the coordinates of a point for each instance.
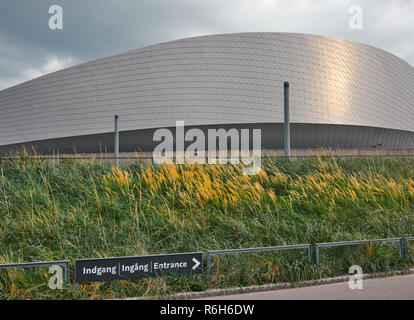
(391, 288)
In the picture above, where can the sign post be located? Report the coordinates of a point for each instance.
(125, 268)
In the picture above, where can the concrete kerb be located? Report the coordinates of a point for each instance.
(268, 287)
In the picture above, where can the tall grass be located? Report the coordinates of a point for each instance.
(76, 209)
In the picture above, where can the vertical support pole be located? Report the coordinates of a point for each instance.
(404, 244)
(208, 263)
(76, 284)
(401, 248)
(116, 142)
(310, 253)
(66, 276)
(287, 120)
(317, 254)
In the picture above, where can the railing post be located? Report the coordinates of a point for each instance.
(404, 244)
(208, 263)
(317, 254)
(310, 253)
(401, 247)
(66, 276)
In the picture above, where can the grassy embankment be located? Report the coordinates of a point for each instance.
(76, 209)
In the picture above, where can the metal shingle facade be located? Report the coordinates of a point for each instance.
(218, 79)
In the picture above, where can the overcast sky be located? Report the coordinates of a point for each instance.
(98, 28)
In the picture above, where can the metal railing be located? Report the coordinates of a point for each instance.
(64, 263)
(403, 244)
(307, 246)
(357, 242)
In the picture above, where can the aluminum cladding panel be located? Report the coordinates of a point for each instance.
(218, 79)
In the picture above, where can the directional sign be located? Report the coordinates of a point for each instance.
(124, 268)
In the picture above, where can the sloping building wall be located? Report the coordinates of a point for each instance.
(226, 80)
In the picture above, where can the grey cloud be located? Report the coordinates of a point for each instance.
(99, 28)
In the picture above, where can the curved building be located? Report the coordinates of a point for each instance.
(343, 94)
